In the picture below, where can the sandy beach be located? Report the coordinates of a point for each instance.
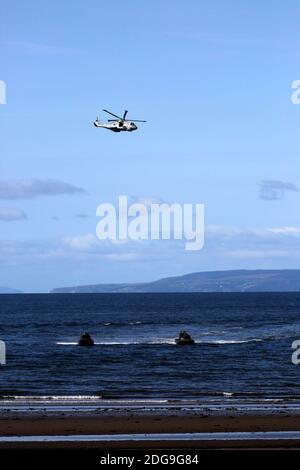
(145, 424)
(116, 425)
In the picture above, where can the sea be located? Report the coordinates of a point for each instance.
(243, 346)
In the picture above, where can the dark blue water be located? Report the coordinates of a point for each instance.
(243, 345)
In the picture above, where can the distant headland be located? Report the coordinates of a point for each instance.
(9, 290)
(260, 280)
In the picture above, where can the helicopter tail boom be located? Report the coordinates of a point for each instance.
(98, 123)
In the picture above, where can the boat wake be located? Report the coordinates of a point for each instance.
(160, 342)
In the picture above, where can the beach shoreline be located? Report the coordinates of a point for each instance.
(148, 424)
(81, 426)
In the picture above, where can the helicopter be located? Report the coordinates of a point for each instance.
(119, 124)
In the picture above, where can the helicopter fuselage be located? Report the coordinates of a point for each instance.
(117, 126)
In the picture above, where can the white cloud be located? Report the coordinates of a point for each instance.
(222, 244)
(246, 243)
(146, 201)
(9, 214)
(123, 256)
(285, 230)
(31, 188)
(81, 216)
(272, 190)
(82, 242)
(257, 254)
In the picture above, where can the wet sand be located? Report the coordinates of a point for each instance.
(69, 425)
(144, 424)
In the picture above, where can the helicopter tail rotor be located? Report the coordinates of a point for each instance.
(97, 122)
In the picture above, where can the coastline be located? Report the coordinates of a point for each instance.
(106, 431)
(133, 424)
(72, 425)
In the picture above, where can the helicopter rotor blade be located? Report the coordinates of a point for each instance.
(112, 114)
(137, 120)
(125, 113)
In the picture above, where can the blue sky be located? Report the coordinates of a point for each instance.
(213, 79)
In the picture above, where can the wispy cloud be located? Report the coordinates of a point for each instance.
(79, 249)
(32, 188)
(273, 190)
(81, 216)
(87, 242)
(9, 214)
(285, 230)
(222, 243)
(30, 47)
(258, 254)
(230, 41)
(247, 243)
(146, 200)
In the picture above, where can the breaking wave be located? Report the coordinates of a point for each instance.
(159, 342)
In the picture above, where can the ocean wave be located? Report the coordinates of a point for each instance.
(42, 398)
(125, 324)
(66, 343)
(116, 343)
(160, 342)
(233, 341)
(102, 343)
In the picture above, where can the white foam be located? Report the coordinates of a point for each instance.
(160, 341)
(65, 343)
(116, 343)
(232, 341)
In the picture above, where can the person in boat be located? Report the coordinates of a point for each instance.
(184, 338)
(86, 340)
(184, 335)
